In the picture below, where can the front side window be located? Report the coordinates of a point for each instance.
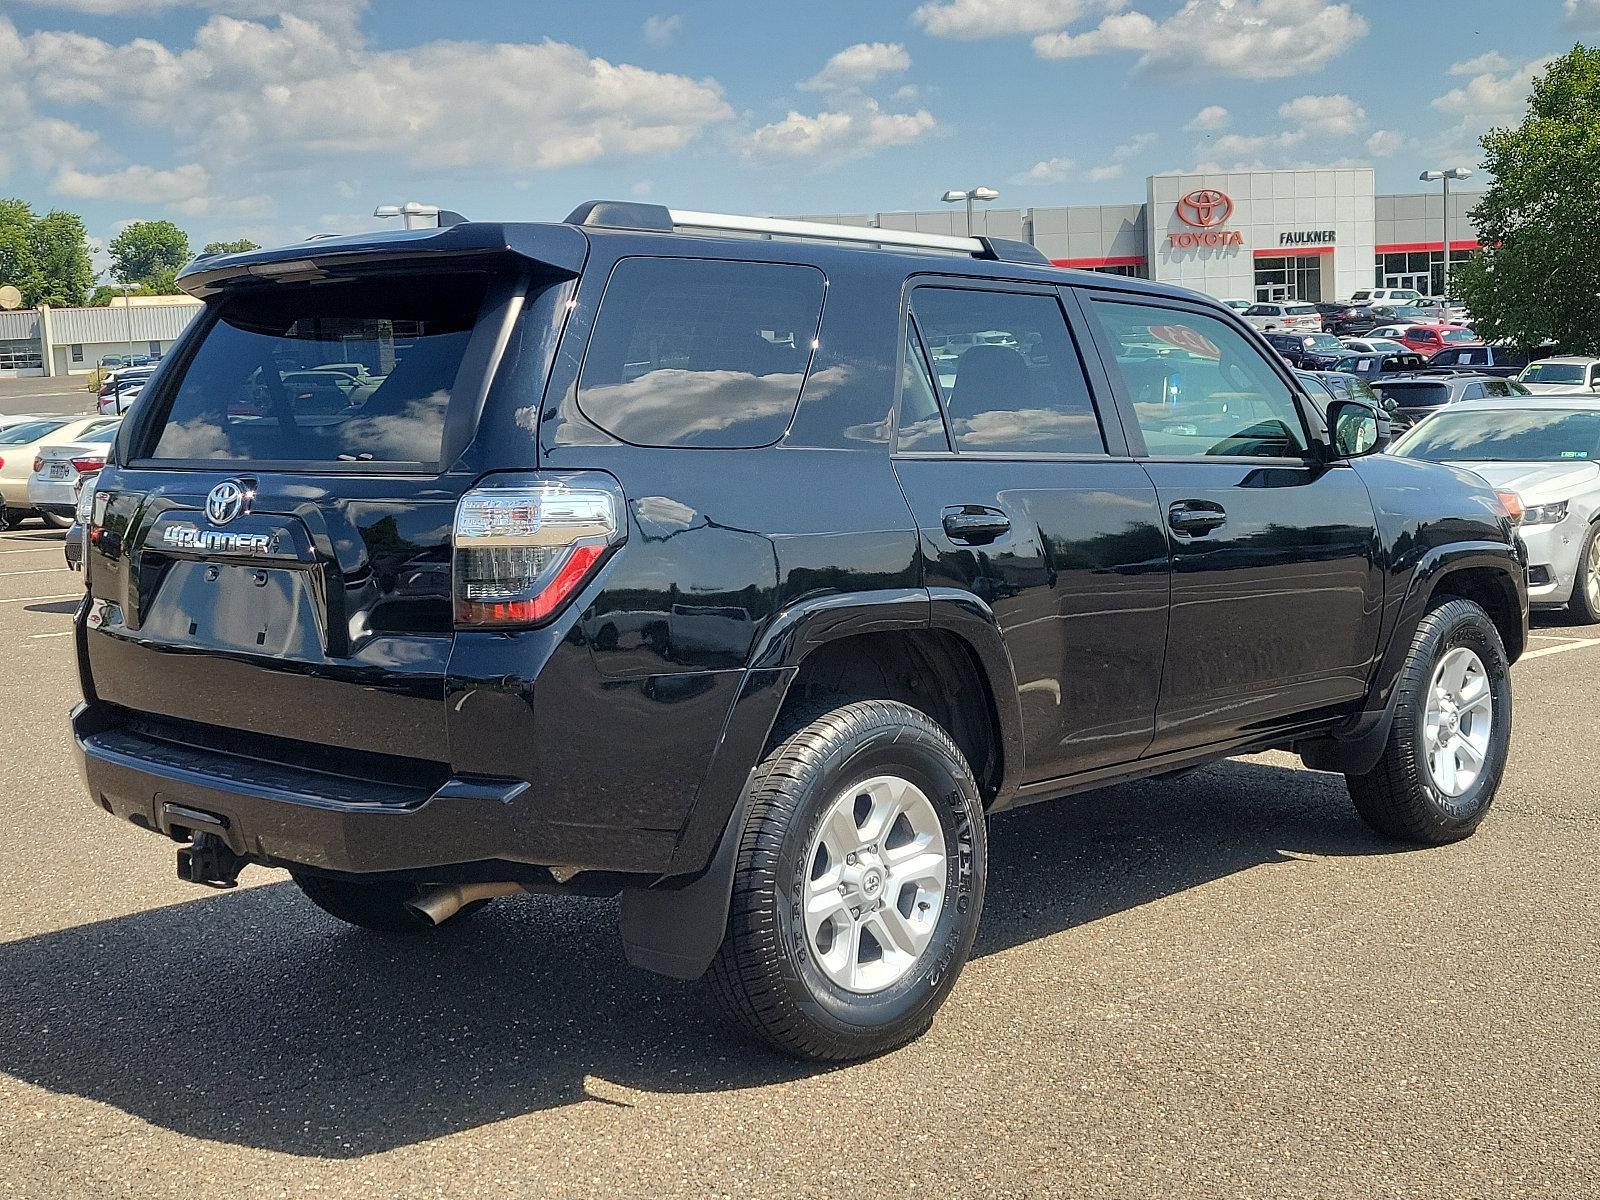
(1205, 391)
(254, 389)
(703, 353)
(1009, 375)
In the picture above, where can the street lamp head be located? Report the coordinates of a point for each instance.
(985, 193)
(1431, 176)
(1458, 172)
(953, 197)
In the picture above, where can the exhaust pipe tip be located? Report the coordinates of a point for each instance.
(438, 905)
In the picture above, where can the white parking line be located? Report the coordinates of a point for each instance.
(30, 599)
(33, 550)
(1578, 644)
(35, 571)
(34, 637)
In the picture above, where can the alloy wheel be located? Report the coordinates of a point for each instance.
(875, 883)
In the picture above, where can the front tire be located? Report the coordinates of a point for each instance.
(1451, 731)
(1585, 602)
(858, 887)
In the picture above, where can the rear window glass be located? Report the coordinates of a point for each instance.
(1416, 395)
(696, 353)
(21, 435)
(257, 388)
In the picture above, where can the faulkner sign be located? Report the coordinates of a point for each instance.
(1204, 210)
(1308, 237)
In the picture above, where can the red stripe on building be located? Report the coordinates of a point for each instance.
(1292, 251)
(1423, 247)
(1126, 260)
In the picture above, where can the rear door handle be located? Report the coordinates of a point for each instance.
(1196, 517)
(975, 525)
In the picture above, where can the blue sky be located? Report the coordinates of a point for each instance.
(274, 119)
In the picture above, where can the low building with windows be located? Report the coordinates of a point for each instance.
(1314, 234)
(73, 341)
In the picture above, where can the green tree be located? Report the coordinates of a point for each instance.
(237, 246)
(149, 252)
(103, 295)
(1538, 274)
(46, 257)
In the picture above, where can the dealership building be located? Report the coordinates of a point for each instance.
(71, 341)
(1250, 235)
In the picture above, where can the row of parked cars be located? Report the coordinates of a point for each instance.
(48, 464)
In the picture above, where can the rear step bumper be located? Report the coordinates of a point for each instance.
(274, 813)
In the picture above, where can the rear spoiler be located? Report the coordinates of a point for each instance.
(558, 246)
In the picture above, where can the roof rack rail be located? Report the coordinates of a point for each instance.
(617, 214)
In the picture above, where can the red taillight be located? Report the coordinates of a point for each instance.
(522, 552)
(2, 464)
(84, 466)
(38, 462)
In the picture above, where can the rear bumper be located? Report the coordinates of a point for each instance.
(57, 496)
(275, 814)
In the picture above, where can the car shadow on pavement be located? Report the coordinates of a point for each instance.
(248, 1017)
(62, 607)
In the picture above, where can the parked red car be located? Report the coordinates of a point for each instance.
(1428, 339)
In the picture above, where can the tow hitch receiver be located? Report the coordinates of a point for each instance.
(207, 860)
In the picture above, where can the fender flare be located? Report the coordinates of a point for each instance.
(676, 926)
(1356, 749)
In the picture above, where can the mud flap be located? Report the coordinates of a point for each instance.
(676, 931)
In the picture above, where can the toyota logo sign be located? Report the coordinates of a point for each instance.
(1205, 208)
(226, 501)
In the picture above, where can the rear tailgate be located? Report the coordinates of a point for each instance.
(270, 554)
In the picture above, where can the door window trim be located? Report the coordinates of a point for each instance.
(1096, 384)
(1138, 449)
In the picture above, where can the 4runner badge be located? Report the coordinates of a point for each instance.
(209, 541)
(226, 501)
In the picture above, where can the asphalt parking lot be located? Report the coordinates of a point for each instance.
(1220, 985)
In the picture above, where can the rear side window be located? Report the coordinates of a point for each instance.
(1008, 372)
(255, 390)
(701, 353)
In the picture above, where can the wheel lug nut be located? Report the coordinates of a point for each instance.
(850, 858)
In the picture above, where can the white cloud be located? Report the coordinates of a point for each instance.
(972, 19)
(1385, 143)
(1492, 96)
(1133, 147)
(858, 65)
(1328, 116)
(1492, 61)
(830, 138)
(1049, 170)
(137, 184)
(1583, 14)
(251, 94)
(1252, 39)
(1102, 174)
(662, 29)
(1212, 116)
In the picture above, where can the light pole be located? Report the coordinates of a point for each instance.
(1445, 177)
(971, 194)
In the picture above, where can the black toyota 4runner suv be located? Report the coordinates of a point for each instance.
(744, 572)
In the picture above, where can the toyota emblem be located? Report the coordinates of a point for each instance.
(226, 501)
(1205, 208)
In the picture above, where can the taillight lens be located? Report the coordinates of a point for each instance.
(84, 466)
(521, 552)
(38, 462)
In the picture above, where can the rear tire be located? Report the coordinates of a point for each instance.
(1585, 602)
(378, 905)
(858, 886)
(1451, 731)
(12, 517)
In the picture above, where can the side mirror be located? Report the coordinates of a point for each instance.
(1356, 429)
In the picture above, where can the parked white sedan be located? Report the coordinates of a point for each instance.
(20, 445)
(58, 470)
(1546, 450)
(1292, 315)
(1562, 374)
